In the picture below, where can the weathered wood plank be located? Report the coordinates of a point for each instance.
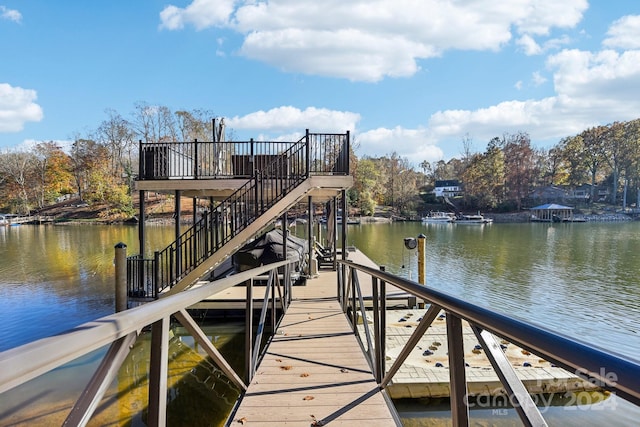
(314, 370)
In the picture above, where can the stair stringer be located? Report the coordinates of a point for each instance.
(242, 237)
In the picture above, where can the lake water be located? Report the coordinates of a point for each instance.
(577, 279)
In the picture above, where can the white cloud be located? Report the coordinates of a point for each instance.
(599, 79)
(590, 88)
(529, 45)
(286, 118)
(368, 40)
(414, 144)
(10, 14)
(17, 106)
(200, 13)
(518, 85)
(538, 79)
(624, 33)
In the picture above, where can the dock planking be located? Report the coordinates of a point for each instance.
(314, 371)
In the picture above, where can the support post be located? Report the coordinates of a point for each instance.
(457, 376)
(158, 368)
(177, 211)
(285, 246)
(334, 237)
(422, 264)
(248, 335)
(121, 276)
(311, 270)
(141, 221)
(422, 261)
(345, 219)
(383, 325)
(195, 210)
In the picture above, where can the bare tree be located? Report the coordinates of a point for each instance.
(16, 166)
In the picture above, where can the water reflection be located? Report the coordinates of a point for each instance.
(578, 279)
(199, 394)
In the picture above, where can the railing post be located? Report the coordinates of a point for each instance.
(376, 329)
(195, 159)
(248, 337)
(158, 368)
(205, 224)
(157, 286)
(141, 161)
(457, 376)
(383, 326)
(308, 154)
(252, 158)
(354, 307)
(121, 276)
(348, 155)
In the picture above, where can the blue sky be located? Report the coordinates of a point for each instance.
(411, 76)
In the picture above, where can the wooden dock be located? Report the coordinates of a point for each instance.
(314, 372)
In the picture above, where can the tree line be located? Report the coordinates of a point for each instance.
(503, 176)
(100, 166)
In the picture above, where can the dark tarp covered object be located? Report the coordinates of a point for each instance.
(268, 249)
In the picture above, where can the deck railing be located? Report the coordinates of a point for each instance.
(282, 167)
(120, 331)
(328, 154)
(604, 369)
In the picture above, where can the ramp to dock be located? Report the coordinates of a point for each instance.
(314, 372)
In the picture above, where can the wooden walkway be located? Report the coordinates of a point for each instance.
(314, 372)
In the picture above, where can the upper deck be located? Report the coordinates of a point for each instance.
(216, 169)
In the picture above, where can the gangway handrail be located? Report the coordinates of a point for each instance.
(605, 369)
(21, 364)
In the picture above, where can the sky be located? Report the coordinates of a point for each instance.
(412, 77)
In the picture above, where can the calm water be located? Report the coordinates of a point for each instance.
(578, 279)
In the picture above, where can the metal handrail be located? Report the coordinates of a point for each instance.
(608, 370)
(21, 364)
(328, 154)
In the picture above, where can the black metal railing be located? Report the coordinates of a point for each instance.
(328, 154)
(599, 367)
(268, 184)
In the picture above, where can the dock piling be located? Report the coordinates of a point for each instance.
(121, 277)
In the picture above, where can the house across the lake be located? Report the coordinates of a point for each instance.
(447, 188)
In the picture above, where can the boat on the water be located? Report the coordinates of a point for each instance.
(472, 219)
(437, 217)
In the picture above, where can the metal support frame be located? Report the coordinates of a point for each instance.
(413, 340)
(567, 353)
(190, 325)
(248, 333)
(345, 219)
(310, 236)
(141, 220)
(518, 394)
(158, 368)
(457, 374)
(93, 393)
(21, 364)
